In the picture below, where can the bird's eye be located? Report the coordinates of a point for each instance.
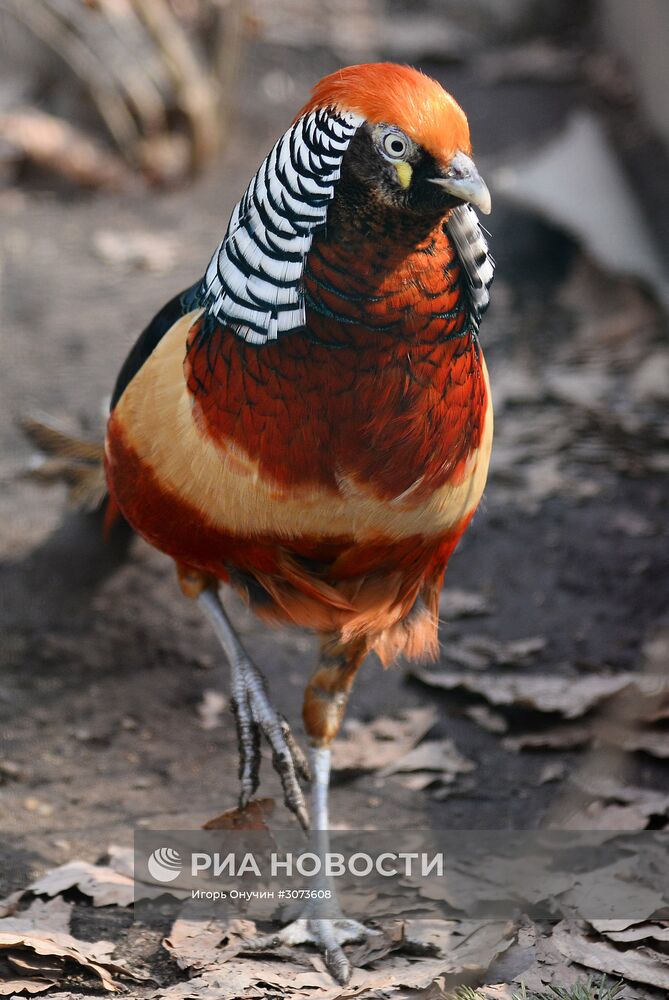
(395, 145)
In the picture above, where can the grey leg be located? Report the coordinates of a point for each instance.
(327, 934)
(254, 714)
(320, 758)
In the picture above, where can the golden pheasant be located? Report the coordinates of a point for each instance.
(311, 422)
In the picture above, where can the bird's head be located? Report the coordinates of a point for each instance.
(412, 149)
(372, 136)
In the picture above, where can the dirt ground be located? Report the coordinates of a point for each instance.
(104, 664)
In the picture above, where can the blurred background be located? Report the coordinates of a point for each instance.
(128, 130)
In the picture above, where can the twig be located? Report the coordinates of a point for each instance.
(51, 30)
(194, 90)
(58, 146)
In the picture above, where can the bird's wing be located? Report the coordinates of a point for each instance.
(150, 337)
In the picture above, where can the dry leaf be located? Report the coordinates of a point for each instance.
(441, 756)
(626, 931)
(455, 603)
(122, 860)
(652, 741)
(35, 964)
(566, 737)
(554, 770)
(374, 745)
(640, 965)
(463, 946)
(606, 786)
(571, 696)
(601, 890)
(600, 815)
(253, 816)
(211, 708)
(478, 652)
(105, 886)
(485, 717)
(94, 956)
(9, 904)
(48, 915)
(206, 944)
(11, 986)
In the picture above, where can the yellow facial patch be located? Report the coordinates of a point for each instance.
(404, 173)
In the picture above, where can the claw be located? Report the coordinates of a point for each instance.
(327, 935)
(296, 751)
(254, 714)
(248, 741)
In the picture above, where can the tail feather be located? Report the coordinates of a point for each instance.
(70, 460)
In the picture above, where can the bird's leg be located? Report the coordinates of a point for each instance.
(254, 715)
(324, 705)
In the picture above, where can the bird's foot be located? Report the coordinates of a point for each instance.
(327, 935)
(254, 715)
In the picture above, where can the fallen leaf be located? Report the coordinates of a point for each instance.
(651, 741)
(206, 944)
(571, 696)
(48, 915)
(600, 815)
(615, 805)
(487, 718)
(211, 708)
(606, 786)
(441, 756)
(105, 886)
(417, 781)
(640, 965)
(122, 860)
(602, 891)
(253, 816)
(11, 986)
(626, 931)
(9, 904)
(554, 770)
(462, 946)
(456, 603)
(377, 744)
(565, 737)
(478, 652)
(27, 931)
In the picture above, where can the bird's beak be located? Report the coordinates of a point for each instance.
(462, 180)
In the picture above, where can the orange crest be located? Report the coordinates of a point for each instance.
(397, 95)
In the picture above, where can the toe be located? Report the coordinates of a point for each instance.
(299, 757)
(336, 961)
(338, 965)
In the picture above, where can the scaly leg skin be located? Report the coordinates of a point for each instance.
(327, 934)
(254, 714)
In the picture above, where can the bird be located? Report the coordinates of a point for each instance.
(310, 423)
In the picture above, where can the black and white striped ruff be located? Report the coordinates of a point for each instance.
(471, 247)
(253, 283)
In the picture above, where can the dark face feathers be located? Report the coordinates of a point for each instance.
(402, 183)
